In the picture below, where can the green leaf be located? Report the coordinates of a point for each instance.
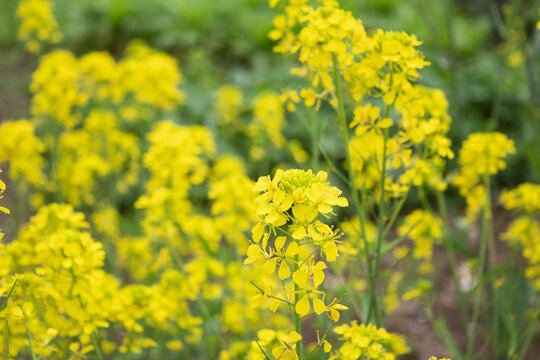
(444, 331)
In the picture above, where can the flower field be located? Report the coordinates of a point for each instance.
(282, 180)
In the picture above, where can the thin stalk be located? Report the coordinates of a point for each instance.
(30, 342)
(4, 304)
(272, 296)
(334, 169)
(177, 260)
(529, 335)
(180, 266)
(492, 262)
(380, 224)
(451, 251)
(321, 341)
(263, 351)
(6, 355)
(396, 212)
(309, 256)
(297, 319)
(99, 354)
(479, 280)
(360, 211)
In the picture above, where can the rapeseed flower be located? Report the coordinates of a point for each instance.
(368, 342)
(38, 24)
(482, 155)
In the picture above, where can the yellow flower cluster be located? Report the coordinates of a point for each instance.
(89, 155)
(293, 199)
(415, 152)
(268, 118)
(526, 197)
(229, 105)
(382, 65)
(144, 80)
(368, 342)
(178, 159)
(63, 295)
(83, 114)
(287, 211)
(424, 229)
(332, 44)
(38, 25)
(482, 155)
(24, 151)
(232, 206)
(524, 231)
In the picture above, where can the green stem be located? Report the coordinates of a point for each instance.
(6, 355)
(360, 211)
(321, 341)
(180, 266)
(492, 262)
(380, 225)
(529, 335)
(330, 163)
(396, 212)
(97, 348)
(480, 276)
(272, 296)
(4, 304)
(451, 251)
(263, 351)
(297, 319)
(30, 342)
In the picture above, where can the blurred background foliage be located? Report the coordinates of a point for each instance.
(485, 55)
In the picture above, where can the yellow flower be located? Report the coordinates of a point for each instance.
(268, 118)
(2, 189)
(21, 147)
(38, 24)
(525, 197)
(308, 279)
(424, 229)
(482, 154)
(368, 341)
(229, 105)
(286, 350)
